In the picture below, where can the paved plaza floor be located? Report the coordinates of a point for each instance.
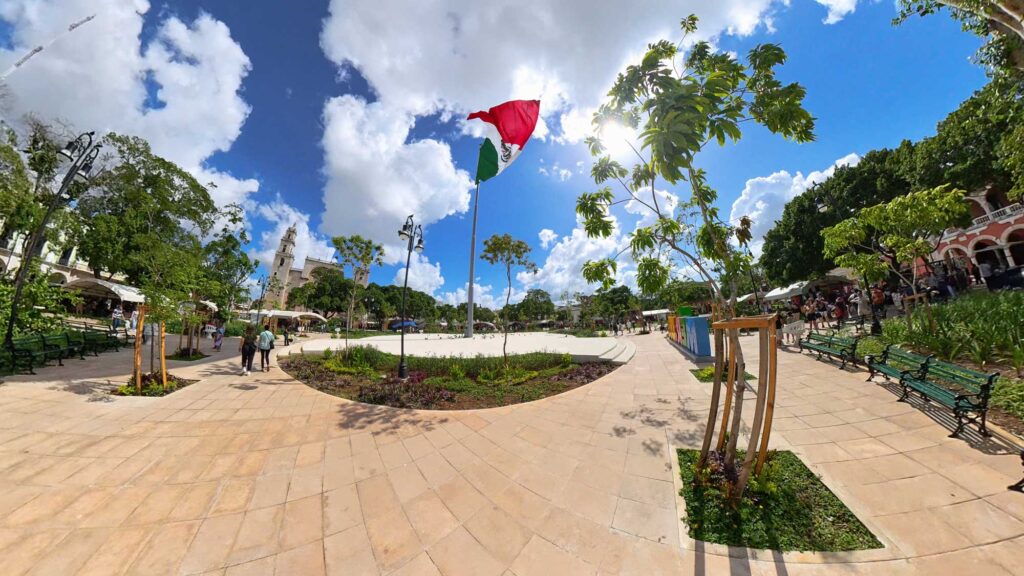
(263, 475)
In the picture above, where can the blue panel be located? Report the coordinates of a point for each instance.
(698, 339)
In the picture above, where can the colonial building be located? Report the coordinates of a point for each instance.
(60, 266)
(996, 235)
(289, 277)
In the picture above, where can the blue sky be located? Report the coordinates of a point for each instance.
(263, 110)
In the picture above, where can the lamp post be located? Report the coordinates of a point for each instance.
(82, 153)
(259, 305)
(413, 233)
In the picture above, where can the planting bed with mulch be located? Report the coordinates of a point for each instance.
(152, 385)
(366, 374)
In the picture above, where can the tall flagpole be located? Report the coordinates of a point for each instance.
(472, 261)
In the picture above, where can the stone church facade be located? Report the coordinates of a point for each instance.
(290, 277)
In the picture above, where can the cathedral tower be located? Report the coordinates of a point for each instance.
(282, 266)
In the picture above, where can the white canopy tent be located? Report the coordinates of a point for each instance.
(289, 314)
(786, 292)
(106, 289)
(662, 312)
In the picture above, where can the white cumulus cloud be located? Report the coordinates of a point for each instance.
(95, 78)
(547, 237)
(764, 197)
(279, 215)
(837, 9)
(423, 275)
(375, 177)
(487, 296)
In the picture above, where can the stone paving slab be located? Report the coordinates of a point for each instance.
(263, 475)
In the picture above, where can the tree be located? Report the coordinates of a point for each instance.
(679, 112)
(1000, 22)
(227, 267)
(508, 252)
(536, 305)
(328, 294)
(794, 248)
(358, 253)
(887, 236)
(679, 293)
(141, 197)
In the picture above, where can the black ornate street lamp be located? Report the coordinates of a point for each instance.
(82, 153)
(413, 233)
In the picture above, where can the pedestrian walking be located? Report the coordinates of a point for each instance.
(218, 338)
(247, 346)
(266, 344)
(116, 317)
(287, 336)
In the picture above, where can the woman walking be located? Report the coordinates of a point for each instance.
(247, 346)
(266, 343)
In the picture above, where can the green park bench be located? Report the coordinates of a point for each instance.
(63, 343)
(97, 341)
(833, 346)
(27, 352)
(965, 392)
(895, 363)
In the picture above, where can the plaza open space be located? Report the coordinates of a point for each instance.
(232, 476)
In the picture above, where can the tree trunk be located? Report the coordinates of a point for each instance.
(137, 356)
(163, 358)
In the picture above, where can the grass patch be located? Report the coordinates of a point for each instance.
(787, 508)
(707, 374)
(153, 386)
(366, 374)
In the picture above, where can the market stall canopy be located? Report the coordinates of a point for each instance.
(290, 314)
(106, 289)
(786, 292)
(661, 312)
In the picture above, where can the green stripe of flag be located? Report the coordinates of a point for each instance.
(487, 165)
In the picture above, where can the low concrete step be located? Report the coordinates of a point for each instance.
(626, 354)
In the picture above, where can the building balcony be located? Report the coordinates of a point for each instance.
(1006, 213)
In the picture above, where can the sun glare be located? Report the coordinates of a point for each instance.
(617, 139)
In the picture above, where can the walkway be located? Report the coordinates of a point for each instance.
(262, 475)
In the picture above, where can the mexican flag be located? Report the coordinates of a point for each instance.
(511, 125)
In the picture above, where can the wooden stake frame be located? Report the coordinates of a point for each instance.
(727, 375)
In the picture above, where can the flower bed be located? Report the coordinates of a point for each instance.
(368, 375)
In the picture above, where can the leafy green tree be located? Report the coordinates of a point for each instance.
(480, 314)
(510, 253)
(679, 112)
(141, 197)
(360, 254)
(794, 248)
(888, 236)
(679, 293)
(999, 22)
(536, 305)
(328, 294)
(227, 267)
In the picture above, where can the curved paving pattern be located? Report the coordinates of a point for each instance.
(263, 475)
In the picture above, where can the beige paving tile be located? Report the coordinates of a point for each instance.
(459, 554)
(461, 498)
(421, 565)
(303, 522)
(646, 521)
(212, 544)
(118, 552)
(258, 535)
(430, 518)
(499, 533)
(392, 539)
(307, 560)
(349, 552)
(541, 557)
(341, 510)
(377, 497)
(165, 549)
(74, 551)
